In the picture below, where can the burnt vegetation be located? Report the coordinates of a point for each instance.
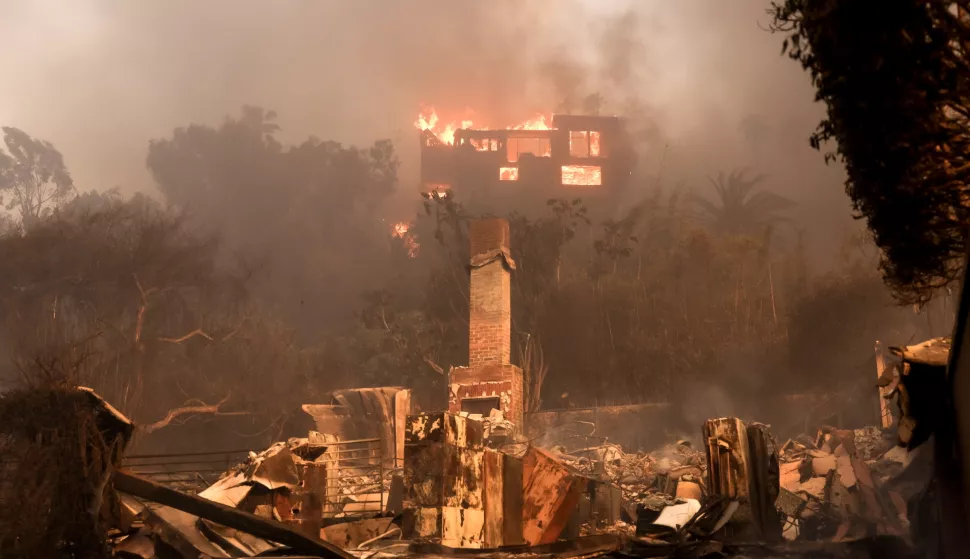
(269, 274)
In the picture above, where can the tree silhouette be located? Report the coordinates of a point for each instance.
(33, 176)
(894, 84)
(740, 209)
(290, 209)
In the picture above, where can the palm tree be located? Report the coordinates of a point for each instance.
(740, 209)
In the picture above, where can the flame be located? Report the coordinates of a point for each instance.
(400, 231)
(428, 119)
(508, 173)
(538, 123)
(582, 175)
(437, 191)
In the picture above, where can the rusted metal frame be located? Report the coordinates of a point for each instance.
(177, 463)
(366, 501)
(188, 471)
(341, 443)
(370, 454)
(361, 468)
(181, 454)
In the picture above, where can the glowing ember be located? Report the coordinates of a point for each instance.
(400, 229)
(508, 173)
(582, 175)
(428, 120)
(437, 191)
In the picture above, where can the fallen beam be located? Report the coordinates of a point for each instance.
(227, 516)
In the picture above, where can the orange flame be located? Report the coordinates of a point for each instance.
(428, 120)
(582, 175)
(538, 123)
(400, 231)
(508, 173)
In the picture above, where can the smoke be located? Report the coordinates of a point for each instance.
(704, 82)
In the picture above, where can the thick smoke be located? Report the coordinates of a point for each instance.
(703, 81)
(703, 84)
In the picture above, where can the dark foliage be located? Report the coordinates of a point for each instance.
(894, 79)
(308, 216)
(614, 310)
(166, 321)
(55, 457)
(740, 208)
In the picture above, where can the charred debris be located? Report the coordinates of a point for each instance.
(378, 478)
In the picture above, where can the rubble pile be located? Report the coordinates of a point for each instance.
(871, 442)
(496, 429)
(287, 470)
(828, 489)
(649, 480)
(307, 497)
(286, 498)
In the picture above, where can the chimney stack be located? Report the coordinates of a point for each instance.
(490, 320)
(490, 381)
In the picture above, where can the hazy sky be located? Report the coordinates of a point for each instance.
(99, 78)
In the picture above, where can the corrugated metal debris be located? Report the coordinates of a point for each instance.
(326, 496)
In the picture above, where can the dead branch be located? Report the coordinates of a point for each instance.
(433, 365)
(177, 412)
(192, 334)
(236, 330)
(142, 308)
(139, 322)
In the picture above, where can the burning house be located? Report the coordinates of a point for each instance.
(564, 155)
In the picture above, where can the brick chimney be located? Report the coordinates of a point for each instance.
(489, 381)
(490, 320)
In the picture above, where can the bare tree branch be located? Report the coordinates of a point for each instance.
(235, 330)
(184, 410)
(433, 365)
(192, 334)
(140, 318)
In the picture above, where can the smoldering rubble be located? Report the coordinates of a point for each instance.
(378, 477)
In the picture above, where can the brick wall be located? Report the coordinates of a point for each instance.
(488, 234)
(489, 372)
(502, 382)
(490, 318)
